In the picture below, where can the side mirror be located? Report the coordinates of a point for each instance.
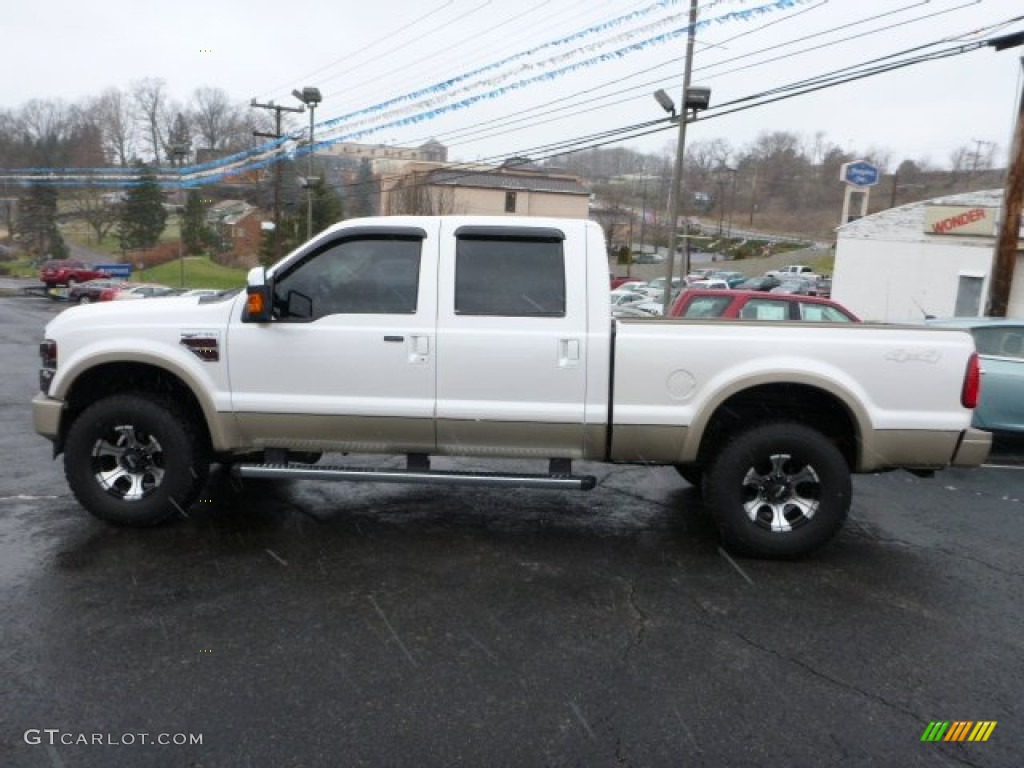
(258, 297)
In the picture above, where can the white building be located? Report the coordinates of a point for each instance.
(934, 257)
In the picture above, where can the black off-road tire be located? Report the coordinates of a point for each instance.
(778, 490)
(691, 473)
(135, 460)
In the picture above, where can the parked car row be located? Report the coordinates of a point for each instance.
(107, 289)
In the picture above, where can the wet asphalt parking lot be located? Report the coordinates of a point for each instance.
(305, 624)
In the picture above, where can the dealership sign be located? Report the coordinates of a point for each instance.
(960, 220)
(860, 173)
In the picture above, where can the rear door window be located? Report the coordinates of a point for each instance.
(509, 277)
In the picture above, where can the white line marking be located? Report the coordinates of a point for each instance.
(391, 629)
(583, 720)
(22, 497)
(735, 565)
(277, 557)
(1001, 466)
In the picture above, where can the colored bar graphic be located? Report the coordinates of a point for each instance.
(958, 730)
(982, 730)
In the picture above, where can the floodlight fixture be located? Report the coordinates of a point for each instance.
(665, 101)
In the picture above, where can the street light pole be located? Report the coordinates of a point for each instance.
(310, 97)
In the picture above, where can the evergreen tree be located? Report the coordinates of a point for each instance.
(143, 216)
(362, 196)
(37, 219)
(327, 208)
(193, 223)
(293, 233)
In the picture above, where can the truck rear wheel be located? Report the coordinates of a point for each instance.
(691, 473)
(135, 460)
(778, 490)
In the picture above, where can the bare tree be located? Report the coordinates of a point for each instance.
(148, 96)
(414, 196)
(113, 114)
(94, 208)
(212, 116)
(48, 125)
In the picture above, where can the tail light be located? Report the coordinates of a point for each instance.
(972, 383)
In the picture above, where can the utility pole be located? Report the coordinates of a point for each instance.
(277, 165)
(1009, 228)
(677, 171)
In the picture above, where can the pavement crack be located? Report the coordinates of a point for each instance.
(859, 530)
(640, 623)
(828, 678)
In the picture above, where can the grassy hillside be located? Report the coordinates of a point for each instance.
(200, 272)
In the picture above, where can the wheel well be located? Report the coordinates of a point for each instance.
(800, 403)
(112, 378)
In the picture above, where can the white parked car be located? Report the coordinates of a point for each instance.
(656, 287)
(794, 270)
(713, 283)
(143, 291)
(624, 298)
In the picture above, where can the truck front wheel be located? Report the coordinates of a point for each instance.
(135, 460)
(778, 490)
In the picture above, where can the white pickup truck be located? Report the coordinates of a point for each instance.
(491, 337)
(793, 270)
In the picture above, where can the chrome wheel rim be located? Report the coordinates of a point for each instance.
(781, 493)
(128, 463)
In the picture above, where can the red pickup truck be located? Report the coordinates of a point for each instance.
(68, 272)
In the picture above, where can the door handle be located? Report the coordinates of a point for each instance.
(568, 352)
(398, 339)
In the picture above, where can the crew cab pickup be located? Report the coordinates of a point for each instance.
(491, 337)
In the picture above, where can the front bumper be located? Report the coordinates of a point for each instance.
(46, 416)
(972, 449)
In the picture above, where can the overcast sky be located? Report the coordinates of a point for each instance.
(361, 54)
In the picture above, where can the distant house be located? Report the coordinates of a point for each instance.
(238, 225)
(480, 190)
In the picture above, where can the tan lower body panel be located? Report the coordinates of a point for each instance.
(520, 439)
(364, 434)
(911, 448)
(322, 432)
(649, 444)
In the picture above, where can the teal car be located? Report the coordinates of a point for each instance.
(1000, 345)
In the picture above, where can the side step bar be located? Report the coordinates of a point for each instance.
(564, 482)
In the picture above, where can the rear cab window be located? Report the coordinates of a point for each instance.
(507, 275)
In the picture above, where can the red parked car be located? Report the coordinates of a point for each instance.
(758, 305)
(68, 272)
